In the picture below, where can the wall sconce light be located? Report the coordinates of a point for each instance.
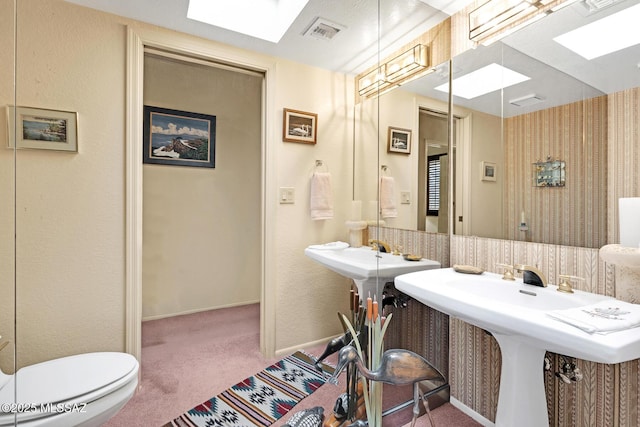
(404, 67)
(498, 18)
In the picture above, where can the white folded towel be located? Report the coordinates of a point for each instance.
(321, 197)
(330, 246)
(387, 197)
(604, 317)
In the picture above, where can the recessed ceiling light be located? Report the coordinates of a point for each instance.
(611, 34)
(484, 80)
(264, 19)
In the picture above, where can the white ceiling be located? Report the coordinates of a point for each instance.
(557, 75)
(350, 51)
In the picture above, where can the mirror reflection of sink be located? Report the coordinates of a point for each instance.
(366, 267)
(516, 315)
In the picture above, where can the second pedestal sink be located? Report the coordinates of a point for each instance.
(368, 268)
(516, 315)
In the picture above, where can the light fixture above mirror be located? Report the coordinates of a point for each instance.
(406, 66)
(498, 18)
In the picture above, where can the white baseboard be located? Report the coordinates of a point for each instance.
(473, 414)
(198, 310)
(287, 351)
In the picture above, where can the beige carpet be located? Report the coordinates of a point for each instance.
(189, 359)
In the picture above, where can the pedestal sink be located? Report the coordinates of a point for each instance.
(515, 314)
(369, 269)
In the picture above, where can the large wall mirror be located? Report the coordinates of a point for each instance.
(530, 154)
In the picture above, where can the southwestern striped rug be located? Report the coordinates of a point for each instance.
(261, 399)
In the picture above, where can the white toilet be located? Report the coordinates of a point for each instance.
(81, 390)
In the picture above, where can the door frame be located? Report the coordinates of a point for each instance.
(137, 39)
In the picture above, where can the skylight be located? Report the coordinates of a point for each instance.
(484, 80)
(613, 33)
(264, 19)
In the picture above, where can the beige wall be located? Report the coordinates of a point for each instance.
(201, 226)
(400, 109)
(485, 146)
(308, 296)
(71, 223)
(478, 139)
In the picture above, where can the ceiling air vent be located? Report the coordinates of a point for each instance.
(525, 101)
(594, 5)
(323, 29)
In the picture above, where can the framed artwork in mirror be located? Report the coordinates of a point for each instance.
(178, 138)
(399, 140)
(549, 174)
(42, 129)
(299, 126)
(488, 171)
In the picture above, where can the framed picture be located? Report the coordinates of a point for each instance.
(488, 171)
(42, 129)
(179, 138)
(549, 174)
(299, 126)
(399, 140)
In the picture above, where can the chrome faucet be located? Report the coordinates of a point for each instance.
(379, 245)
(531, 275)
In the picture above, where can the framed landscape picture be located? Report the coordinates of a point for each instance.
(179, 138)
(43, 129)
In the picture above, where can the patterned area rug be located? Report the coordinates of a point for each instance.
(261, 399)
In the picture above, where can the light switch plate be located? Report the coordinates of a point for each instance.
(287, 195)
(405, 197)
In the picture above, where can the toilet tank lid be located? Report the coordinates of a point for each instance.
(70, 377)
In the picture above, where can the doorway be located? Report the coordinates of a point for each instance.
(433, 170)
(137, 41)
(199, 222)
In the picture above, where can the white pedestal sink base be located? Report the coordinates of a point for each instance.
(522, 401)
(371, 287)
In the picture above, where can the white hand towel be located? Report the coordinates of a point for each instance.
(321, 197)
(604, 317)
(388, 197)
(330, 246)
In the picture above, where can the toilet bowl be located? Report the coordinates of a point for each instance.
(81, 390)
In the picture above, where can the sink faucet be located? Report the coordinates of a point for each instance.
(380, 245)
(531, 275)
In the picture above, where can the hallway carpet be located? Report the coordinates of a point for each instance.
(187, 359)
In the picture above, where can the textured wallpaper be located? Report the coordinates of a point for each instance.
(572, 215)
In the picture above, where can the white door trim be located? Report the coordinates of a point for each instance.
(137, 39)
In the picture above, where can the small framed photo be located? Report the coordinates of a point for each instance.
(488, 170)
(178, 138)
(42, 129)
(299, 126)
(399, 140)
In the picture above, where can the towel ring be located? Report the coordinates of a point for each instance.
(321, 166)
